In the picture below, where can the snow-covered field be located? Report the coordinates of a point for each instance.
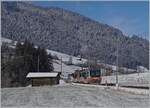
(71, 96)
(141, 79)
(123, 89)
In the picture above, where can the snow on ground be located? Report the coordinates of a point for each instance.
(71, 96)
(9, 41)
(62, 82)
(66, 69)
(137, 79)
(123, 89)
(6, 40)
(65, 57)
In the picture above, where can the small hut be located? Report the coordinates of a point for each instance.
(43, 78)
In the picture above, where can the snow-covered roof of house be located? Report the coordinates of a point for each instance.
(41, 74)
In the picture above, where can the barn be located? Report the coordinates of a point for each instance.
(43, 78)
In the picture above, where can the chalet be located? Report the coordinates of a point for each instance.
(43, 78)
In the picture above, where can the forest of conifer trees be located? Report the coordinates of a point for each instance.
(18, 62)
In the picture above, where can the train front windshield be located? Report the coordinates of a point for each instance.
(95, 73)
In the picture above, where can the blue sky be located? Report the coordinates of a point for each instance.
(130, 17)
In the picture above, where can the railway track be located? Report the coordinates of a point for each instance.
(138, 87)
(112, 84)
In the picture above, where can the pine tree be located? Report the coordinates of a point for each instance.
(19, 49)
(45, 60)
(50, 59)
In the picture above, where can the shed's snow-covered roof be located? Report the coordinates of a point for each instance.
(41, 74)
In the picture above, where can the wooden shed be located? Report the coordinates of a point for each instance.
(43, 78)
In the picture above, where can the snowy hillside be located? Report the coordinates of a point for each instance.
(66, 69)
(6, 40)
(65, 57)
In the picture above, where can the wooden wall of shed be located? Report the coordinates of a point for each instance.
(45, 81)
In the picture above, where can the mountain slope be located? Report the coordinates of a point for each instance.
(71, 33)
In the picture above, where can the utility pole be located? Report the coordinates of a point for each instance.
(61, 65)
(105, 71)
(81, 62)
(117, 66)
(38, 64)
(100, 72)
